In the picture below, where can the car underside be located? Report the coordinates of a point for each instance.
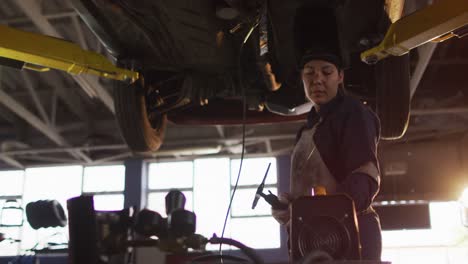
(203, 61)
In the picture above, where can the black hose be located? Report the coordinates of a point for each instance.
(249, 252)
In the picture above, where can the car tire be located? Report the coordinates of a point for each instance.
(392, 77)
(141, 132)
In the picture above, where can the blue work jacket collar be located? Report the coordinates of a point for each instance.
(314, 117)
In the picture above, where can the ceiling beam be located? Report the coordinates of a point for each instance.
(79, 32)
(7, 79)
(259, 137)
(25, 19)
(113, 157)
(67, 95)
(65, 149)
(8, 115)
(10, 161)
(48, 131)
(32, 10)
(37, 102)
(42, 158)
(92, 83)
(53, 108)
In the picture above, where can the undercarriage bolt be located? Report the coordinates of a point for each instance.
(372, 59)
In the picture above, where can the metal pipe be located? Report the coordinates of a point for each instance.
(453, 110)
(425, 54)
(21, 20)
(66, 149)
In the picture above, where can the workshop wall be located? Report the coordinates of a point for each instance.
(431, 170)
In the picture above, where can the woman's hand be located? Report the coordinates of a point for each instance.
(282, 216)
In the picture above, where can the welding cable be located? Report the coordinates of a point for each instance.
(244, 106)
(249, 252)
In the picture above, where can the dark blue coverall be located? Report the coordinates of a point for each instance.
(346, 136)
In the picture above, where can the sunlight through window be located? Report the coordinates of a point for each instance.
(106, 183)
(207, 184)
(444, 242)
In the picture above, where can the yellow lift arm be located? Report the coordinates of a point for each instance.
(437, 22)
(40, 53)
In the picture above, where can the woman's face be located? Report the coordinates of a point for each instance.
(321, 81)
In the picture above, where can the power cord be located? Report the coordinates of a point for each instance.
(244, 110)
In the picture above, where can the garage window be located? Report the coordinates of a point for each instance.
(244, 220)
(444, 242)
(49, 183)
(162, 177)
(106, 183)
(207, 185)
(11, 189)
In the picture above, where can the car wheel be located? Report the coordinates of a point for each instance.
(393, 95)
(142, 130)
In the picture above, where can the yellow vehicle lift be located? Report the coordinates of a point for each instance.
(437, 22)
(41, 53)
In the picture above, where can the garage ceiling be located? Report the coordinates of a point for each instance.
(55, 118)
